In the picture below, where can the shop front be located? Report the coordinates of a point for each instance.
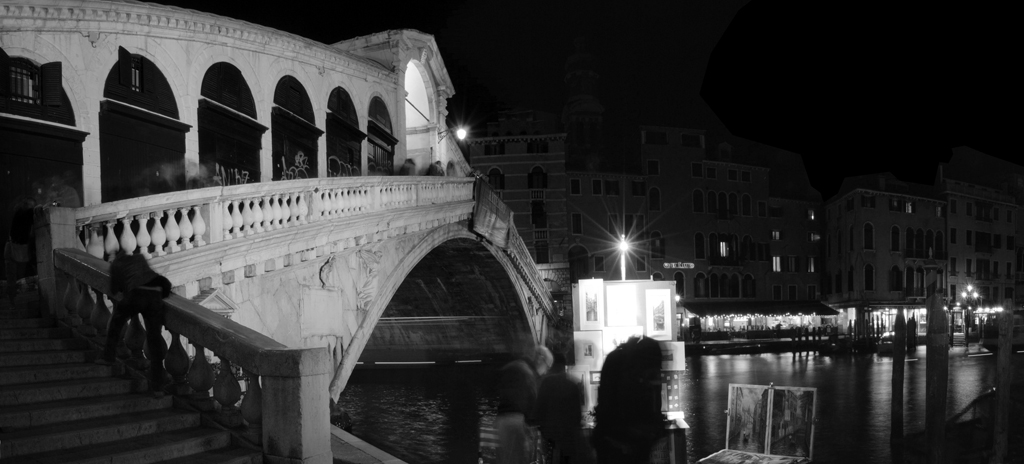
(726, 320)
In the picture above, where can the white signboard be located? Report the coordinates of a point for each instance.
(678, 265)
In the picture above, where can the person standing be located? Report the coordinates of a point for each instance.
(559, 413)
(20, 244)
(628, 414)
(517, 401)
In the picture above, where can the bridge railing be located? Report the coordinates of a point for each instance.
(158, 225)
(285, 405)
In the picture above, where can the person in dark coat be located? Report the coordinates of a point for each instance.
(18, 250)
(559, 412)
(517, 403)
(628, 414)
(143, 291)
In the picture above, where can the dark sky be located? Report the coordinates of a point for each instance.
(854, 88)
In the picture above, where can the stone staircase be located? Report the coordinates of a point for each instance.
(57, 406)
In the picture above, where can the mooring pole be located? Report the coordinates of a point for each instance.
(937, 370)
(899, 355)
(1003, 377)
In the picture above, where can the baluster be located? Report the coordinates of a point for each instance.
(278, 214)
(317, 209)
(127, 238)
(96, 244)
(227, 392)
(303, 208)
(159, 235)
(286, 210)
(110, 242)
(100, 315)
(198, 226)
(252, 406)
(173, 232)
(186, 228)
(84, 310)
(329, 205)
(293, 206)
(342, 201)
(365, 201)
(176, 364)
(228, 221)
(71, 298)
(143, 238)
(135, 340)
(247, 218)
(236, 220)
(257, 214)
(200, 378)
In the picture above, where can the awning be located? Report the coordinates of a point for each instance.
(759, 308)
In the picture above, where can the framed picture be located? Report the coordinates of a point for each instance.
(587, 347)
(771, 420)
(622, 305)
(658, 313)
(591, 298)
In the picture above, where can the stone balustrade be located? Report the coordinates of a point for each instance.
(159, 225)
(285, 407)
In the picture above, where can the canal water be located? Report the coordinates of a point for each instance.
(431, 415)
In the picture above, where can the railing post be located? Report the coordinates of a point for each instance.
(296, 412)
(54, 229)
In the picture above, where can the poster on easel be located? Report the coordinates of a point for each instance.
(591, 302)
(766, 423)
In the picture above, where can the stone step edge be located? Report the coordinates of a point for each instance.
(96, 453)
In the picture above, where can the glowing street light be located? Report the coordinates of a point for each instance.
(624, 248)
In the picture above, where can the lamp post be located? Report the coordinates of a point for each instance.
(460, 133)
(624, 248)
(970, 297)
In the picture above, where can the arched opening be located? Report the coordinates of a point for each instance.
(420, 124)
(698, 201)
(869, 237)
(734, 286)
(894, 239)
(698, 246)
(715, 286)
(344, 139)
(230, 138)
(869, 278)
(142, 142)
(895, 279)
(712, 203)
(381, 160)
(700, 286)
(746, 204)
(496, 179)
(657, 246)
(293, 132)
(749, 288)
(537, 179)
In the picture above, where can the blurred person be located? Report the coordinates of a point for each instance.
(559, 413)
(143, 292)
(517, 401)
(628, 414)
(18, 251)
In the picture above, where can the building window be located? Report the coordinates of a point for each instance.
(792, 264)
(792, 292)
(599, 263)
(542, 252)
(538, 216)
(693, 141)
(654, 199)
(869, 237)
(577, 223)
(745, 204)
(938, 211)
(680, 279)
(538, 178)
(869, 278)
(776, 264)
(653, 167)
(812, 292)
(867, 201)
(970, 238)
(952, 235)
(776, 235)
(596, 186)
(639, 188)
(733, 175)
(775, 211)
(777, 292)
(575, 187)
(641, 264)
(970, 208)
(698, 201)
(696, 170)
(611, 187)
(613, 225)
(952, 265)
(810, 215)
(698, 246)
(968, 263)
(1010, 242)
(849, 204)
(496, 179)
(657, 246)
(745, 176)
(712, 203)
(910, 207)
(762, 209)
(813, 237)
(655, 138)
(700, 285)
(1009, 216)
(711, 173)
(812, 264)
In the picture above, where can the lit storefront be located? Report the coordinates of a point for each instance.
(725, 317)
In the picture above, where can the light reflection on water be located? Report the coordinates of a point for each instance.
(431, 415)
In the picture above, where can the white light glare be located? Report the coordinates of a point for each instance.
(461, 133)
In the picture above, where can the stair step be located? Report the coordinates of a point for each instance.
(52, 372)
(161, 447)
(42, 344)
(35, 332)
(39, 358)
(26, 393)
(127, 428)
(236, 455)
(63, 411)
(19, 313)
(18, 323)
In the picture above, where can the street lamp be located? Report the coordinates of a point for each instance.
(459, 132)
(624, 248)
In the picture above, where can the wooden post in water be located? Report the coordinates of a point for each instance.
(1003, 378)
(899, 354)
(937, 370)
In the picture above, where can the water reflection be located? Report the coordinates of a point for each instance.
(431, 415)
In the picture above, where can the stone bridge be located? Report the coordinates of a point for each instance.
(383, 268)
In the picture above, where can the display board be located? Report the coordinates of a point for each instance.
(771, 420)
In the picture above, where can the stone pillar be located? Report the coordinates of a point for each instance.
(1004, 376)
(296, 406)
(54, 228)
(936, 370)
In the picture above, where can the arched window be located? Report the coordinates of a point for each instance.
(712, 203)
(700, 286)
(657, 246)
(908, 248)
(538, 179)
(713, 247)
(141, 153)
(723, 202)
(839, 281)
(734, 286)
(940, 245)
(869, 277)
(294, 132)
(657, 277)
(34, 91)
(929, 244)
(919, 248)
(654, 199)
(908, 282)
(747, 205)
(698, 246)
(680, 280)
(229, 141)
(714, 286)
(895, 279)
(381, 159)
(496, 179)
(849, 280)
(749, 290)
(894, 239)
(344, 139)
(869, 237)
(919, 281)
(698, 201)
(746, 248)
(734, 207)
